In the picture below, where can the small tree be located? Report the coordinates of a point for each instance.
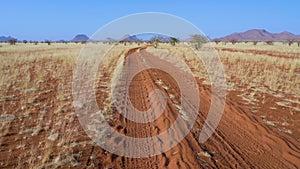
(173, 41)
(269, 42)
(12, 41)
(110, 40)
(25, 41)
(156, 39)
(48, 42)
(155, 44)
(290, 42)
(233, 41)
(298, 43)
(217, 41)
(198, 40)
(255, 42)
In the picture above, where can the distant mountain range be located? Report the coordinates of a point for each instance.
(260, 35)
(250, 35)
(80, 38)
(77, 38)
(6, 39)
(146, 37)
(128, 38)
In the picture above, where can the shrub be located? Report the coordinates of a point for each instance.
(12, 41)
(269, 42)
(198, 40)
(217, 41)
(173, 41)
(233, 41)
(48, 42)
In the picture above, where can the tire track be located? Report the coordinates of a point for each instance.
(240, 141)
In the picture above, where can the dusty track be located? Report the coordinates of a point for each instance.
(241, 140)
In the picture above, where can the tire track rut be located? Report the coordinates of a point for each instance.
(240, 141)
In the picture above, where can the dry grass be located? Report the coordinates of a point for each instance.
(257, 72)
(266, 73)
(36, 100)
(36, 90)
(276, 47)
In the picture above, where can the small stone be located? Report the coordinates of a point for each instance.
(56, 160)
(271, 123)
(7, 117)
(28, 131)
(205, 154)
(263, 117)
(10, 97)
(171, 96)
(53, 137)
(288, 131)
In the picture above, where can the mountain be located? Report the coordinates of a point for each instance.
(128, 38)
(260, 35)
(145, 37)
(287, 36)
(80, 38)
(6, 39)
(150, 36)
(61, 41)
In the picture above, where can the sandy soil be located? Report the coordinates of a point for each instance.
(243, 139)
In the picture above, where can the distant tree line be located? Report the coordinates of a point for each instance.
(155, 40)
(233, 42)
(197, 40)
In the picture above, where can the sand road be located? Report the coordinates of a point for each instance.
(47, 132)
(240, 140)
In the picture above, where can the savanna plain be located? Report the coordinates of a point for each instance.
(260, 126)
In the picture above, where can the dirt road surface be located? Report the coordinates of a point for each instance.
(241, 140)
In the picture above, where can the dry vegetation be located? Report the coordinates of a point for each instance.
(267, 73)
(264, 76)
(38, 123)
(37, 116)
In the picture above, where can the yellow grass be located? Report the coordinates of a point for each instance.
(26, 68)
(263, 72)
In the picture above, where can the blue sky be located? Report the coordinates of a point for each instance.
(57, 19)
